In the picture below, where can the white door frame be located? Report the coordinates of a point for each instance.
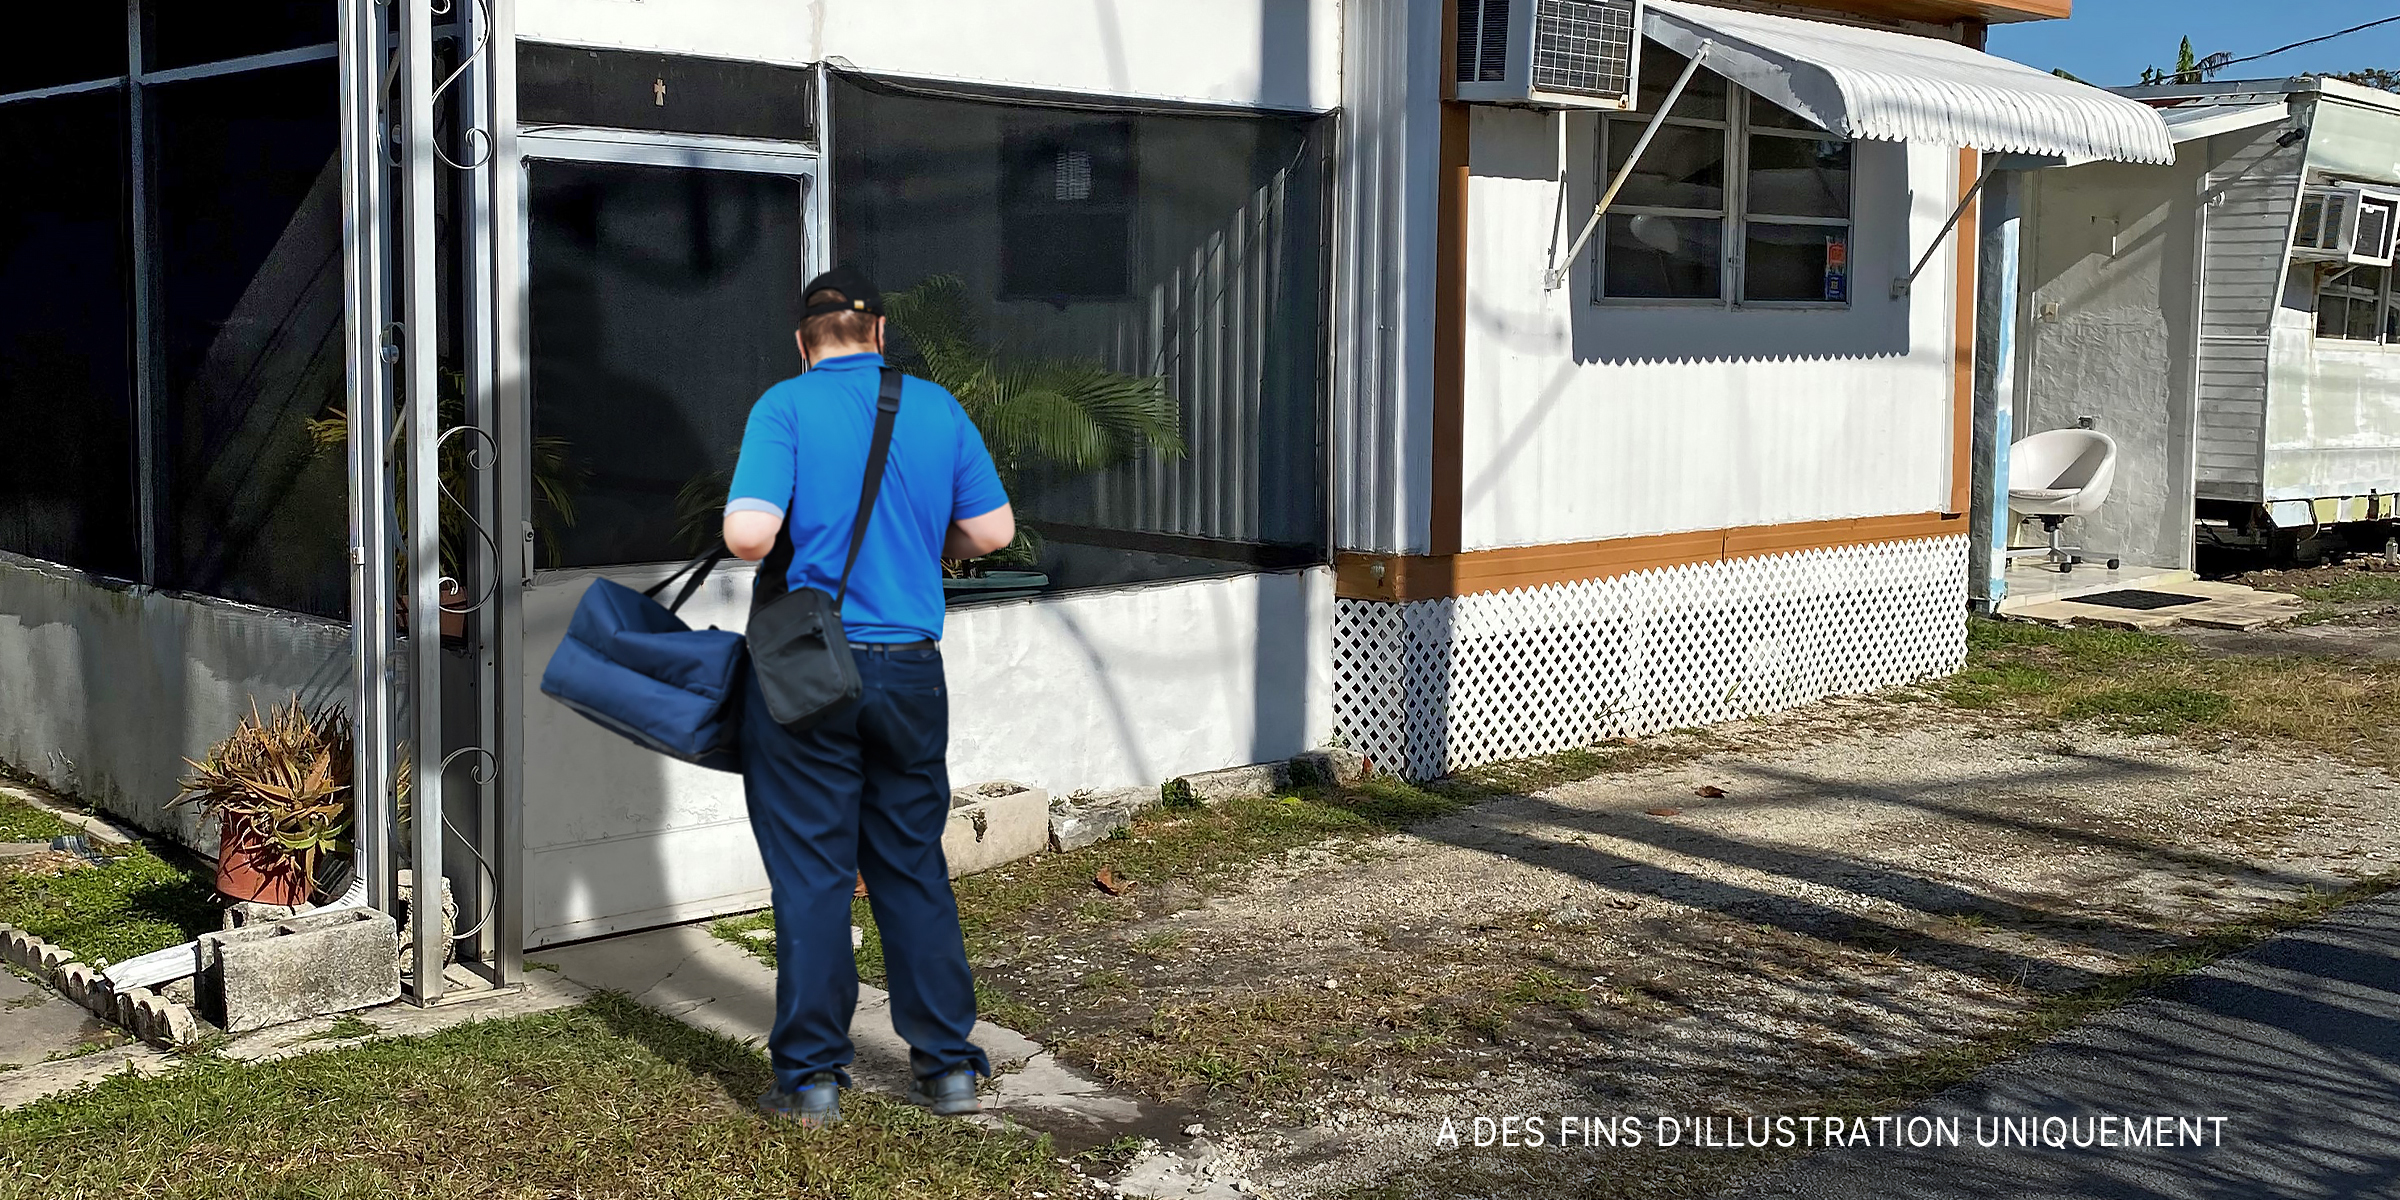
(515, 154)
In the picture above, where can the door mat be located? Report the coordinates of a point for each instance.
(2136, 598)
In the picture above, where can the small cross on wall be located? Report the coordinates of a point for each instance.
(658, 92)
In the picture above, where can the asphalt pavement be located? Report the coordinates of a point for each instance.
(2278, 1071)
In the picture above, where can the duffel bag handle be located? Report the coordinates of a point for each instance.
(706, 563)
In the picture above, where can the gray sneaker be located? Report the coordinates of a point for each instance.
(817, 1104)
(949, 1094)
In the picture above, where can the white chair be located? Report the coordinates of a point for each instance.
(2056, 474)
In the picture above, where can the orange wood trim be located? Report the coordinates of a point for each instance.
(1430, 577)
(1962, 350)
(1447, 487)
(1944, 11)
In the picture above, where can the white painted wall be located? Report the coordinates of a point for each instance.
(105, 689)
(1273, 53)
(1120, 688)
(1586, 421)
(2109, 329)
(2333, 414)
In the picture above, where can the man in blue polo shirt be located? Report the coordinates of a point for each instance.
(867, 791)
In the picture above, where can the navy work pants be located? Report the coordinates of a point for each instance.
(866, 793)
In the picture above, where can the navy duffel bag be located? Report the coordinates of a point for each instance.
(632, 665)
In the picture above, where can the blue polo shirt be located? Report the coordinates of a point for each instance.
(803, 455)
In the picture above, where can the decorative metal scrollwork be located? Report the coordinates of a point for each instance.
(486, 769)
(482, 453)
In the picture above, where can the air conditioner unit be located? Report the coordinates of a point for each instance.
(1549, 53)
(2347, 223)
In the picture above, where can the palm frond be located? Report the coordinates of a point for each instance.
(1036, 412)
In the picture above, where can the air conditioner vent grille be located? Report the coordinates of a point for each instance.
(1482, 40)
(1583, 47)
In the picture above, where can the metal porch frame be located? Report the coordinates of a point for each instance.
(394, 166)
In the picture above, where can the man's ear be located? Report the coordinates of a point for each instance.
(880, 323)
(801, 340)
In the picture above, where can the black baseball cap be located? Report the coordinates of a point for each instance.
(850, 282)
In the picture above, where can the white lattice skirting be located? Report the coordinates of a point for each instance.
(1434, 686)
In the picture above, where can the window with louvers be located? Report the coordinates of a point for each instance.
(1583, 47)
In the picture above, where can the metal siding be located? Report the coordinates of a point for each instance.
(2332, 418)
(1586, 421)
(2246, 240)
(1382, 303)
(1247, 400)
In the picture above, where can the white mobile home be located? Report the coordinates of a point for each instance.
(1461, 467)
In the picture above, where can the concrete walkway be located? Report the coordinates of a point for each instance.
(37, 1023)
(2295, 1045)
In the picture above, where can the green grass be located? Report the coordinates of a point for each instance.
(348, 1027)
(2149, 683)
(132, 904)
(22, 822)
(2162, 708)
(2358, 588)
(604, 1100)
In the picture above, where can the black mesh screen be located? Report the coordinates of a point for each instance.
(183, 33)
(1149, 282)
(79, 42)
(250, 323)
(663, 303)
(66, 396)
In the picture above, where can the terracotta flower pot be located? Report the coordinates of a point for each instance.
(454, 622)
(242, 875)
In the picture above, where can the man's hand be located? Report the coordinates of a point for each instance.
(751, 534)
(972, 537)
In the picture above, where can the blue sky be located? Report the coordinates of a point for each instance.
(2108, 42)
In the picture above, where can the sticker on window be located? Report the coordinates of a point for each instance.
(1837, 269)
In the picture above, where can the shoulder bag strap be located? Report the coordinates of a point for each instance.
(706, 562)
(879, 451)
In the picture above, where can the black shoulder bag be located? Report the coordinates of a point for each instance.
(797, 646)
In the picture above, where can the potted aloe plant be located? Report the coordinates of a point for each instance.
(279, 789)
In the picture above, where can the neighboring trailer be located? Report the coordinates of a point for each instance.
(2250, 379)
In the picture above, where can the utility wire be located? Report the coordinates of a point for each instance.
(2280, 49)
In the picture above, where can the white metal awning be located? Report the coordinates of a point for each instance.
(2190, 123)
(1881, 86)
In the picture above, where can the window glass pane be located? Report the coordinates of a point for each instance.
(1653, 257)
(86, 41)
(1799, 177)
(1796, 262)
(249, 322)
(2333, 316)
(1162, 270)
(2362, 320)
(663, 303)
(66, 456)
(1703, 98)
(183, 33)
(1684, 167)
